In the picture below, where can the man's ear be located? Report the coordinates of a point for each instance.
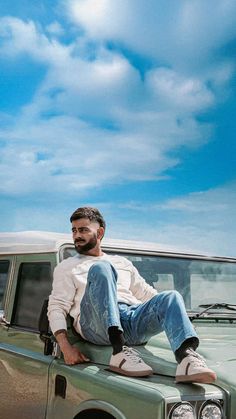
(100, 233)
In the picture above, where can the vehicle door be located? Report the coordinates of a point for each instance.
(23, 365)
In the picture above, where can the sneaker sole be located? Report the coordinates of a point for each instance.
(204, 378)
(131, 373)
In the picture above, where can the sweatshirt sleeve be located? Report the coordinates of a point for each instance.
(140, 288)
(61, 298)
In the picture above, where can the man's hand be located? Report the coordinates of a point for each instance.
(72, 355)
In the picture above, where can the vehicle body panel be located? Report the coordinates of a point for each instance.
(24, 372)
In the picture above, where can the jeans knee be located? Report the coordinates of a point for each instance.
(102, 269)
(172, 297)
(175, 294)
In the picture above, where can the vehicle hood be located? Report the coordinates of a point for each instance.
(217, 346)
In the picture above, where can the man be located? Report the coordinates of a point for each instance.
(111, 304)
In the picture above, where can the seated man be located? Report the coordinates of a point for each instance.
(111, 304)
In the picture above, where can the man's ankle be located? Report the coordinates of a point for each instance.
(116, 349)
(116, 338)
(187, 345)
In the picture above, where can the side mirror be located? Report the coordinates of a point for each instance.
(45, 334)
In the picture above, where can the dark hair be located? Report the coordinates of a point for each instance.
(88, 212)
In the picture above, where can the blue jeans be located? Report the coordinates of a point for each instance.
(101, 310)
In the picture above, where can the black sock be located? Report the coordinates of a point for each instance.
(181, 352)
(116, 338)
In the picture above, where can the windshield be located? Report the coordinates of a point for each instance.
(198, 281)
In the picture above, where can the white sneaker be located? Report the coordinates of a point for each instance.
(128, 362)
(193, 368)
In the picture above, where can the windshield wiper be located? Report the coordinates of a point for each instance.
(216, 306)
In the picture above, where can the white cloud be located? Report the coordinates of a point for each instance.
(179, 92)
(55, 28)
(200, 222)
(78, 157)
(20, 37)
(68, 115)
(181, 33)
(99, 18)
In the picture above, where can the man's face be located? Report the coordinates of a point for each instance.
(86, 235)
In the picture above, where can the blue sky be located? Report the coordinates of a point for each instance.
(123, 106)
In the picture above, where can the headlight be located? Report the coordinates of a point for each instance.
(182, 411)
(211, 410)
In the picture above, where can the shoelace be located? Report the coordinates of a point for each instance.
(198, 360)
(132, 355)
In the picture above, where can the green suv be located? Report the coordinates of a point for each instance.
(35, 383)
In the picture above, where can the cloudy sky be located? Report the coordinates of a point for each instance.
(126, 105)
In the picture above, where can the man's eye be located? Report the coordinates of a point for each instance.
(80, 230)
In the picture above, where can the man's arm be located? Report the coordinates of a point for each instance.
(72, 355)
(140, 288)
(60, 302)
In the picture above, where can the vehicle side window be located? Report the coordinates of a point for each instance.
(4, 268)
(33, 287)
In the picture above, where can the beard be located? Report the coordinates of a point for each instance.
(83, 249)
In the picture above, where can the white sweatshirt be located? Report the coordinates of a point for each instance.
(70, 278)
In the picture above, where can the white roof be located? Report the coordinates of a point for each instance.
(32, 241)
(44, 242)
